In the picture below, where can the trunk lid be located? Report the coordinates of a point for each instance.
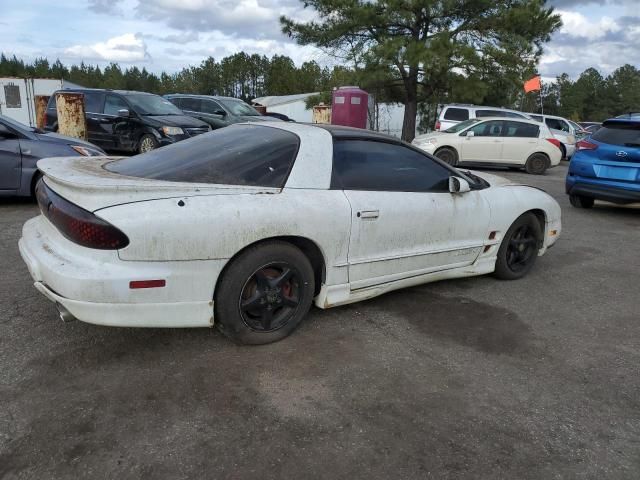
(84, 182)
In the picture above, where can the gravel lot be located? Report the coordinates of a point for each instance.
(473, 378)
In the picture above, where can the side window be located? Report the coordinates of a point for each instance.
(520, 129)
(387, 167)
(513, 115)
(93, 102)
(492, 128)
(177, 101)
(489, 113)
(191, 104)
(557, 124)
(209, 106)
(456, 114)
(113, 104)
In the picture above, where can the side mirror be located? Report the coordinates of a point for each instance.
(470, 133)
(124, 112)
(458, 185)
(220, 112)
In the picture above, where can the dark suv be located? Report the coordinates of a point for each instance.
(130, 121)
(218, 111)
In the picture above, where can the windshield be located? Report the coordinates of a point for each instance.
(458, 127)
(152, 105)
(238, 107)
(235, 155)
(9, 122)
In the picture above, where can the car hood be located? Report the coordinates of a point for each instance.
(63, 139)
(175, 121)
(84, 181)
(494, 180)
(431, 135)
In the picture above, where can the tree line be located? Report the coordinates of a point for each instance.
(239, 75)
(591, 96)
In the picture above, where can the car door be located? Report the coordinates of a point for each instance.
(404, 220)
(216, 115)
(485, 146)
(10, 159)
(115, 129)
(519, 141)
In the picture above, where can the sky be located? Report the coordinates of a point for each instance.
(167, 35)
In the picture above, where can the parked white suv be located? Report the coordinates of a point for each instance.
(454, 113)
(495, 141)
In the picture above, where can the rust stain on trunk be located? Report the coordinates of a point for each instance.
(41, 110)
(71, 119)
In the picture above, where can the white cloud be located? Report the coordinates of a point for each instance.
(123, 48)
(575, 24)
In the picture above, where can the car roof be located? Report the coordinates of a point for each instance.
(622, 121)
(99, 90)
(508, 119)
(213, 97)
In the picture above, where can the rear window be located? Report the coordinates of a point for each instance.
(92, 101)
(457, 114)
(238, 155)
(627, 135)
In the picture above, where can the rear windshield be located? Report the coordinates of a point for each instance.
(627, 135)
(236, 155)
(457, 114)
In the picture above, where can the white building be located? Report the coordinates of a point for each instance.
(390, 115)
(18, 95)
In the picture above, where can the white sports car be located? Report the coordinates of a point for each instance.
(246, 226)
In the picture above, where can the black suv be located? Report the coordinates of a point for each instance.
(218, 111)
(129, 121)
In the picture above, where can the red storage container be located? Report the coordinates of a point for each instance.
(349, 107)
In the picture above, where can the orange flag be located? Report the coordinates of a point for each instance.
(532, 85)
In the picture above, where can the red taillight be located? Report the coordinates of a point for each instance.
(584, 145)
(146, 284)
(555, 141)
(77, 224)
(438, 125)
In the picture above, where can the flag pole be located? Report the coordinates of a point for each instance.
(541, 99)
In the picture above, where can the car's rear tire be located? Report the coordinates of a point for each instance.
(537, 164)
(264, 293)
(519, 248)
(447, 155)
(563, 152)
(580, 201)
(147, 143)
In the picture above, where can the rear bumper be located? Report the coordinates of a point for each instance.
(93, 286)
(607, 193)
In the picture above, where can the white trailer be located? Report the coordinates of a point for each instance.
(18, 95)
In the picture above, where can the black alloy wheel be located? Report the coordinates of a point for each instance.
(519, 249)
(270, 297)
(523, 245)
(264, 293)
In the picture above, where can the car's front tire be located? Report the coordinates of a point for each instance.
(447, 155)
(264, 293)
(519, 248)
(147, 143)
(580, 201)
(537, 164)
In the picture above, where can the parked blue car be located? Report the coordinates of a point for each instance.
(606, 165)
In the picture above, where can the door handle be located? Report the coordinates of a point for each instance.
(497, 141)
(369, 214)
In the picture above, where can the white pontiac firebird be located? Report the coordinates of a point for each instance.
(246, 226)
